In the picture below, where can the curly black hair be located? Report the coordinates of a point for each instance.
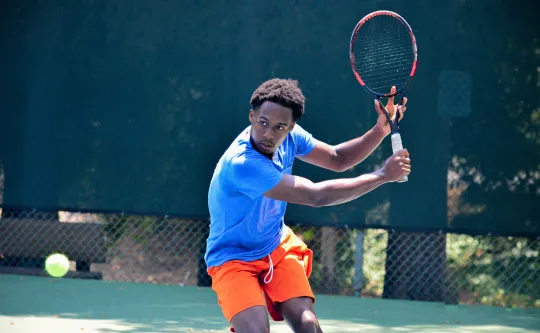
(284, 92)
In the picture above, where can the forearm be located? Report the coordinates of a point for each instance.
(338, 191)
(352, 152)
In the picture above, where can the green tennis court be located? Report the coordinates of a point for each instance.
(115, 115)
(38, 304)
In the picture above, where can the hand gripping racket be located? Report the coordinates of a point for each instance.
(383, 54)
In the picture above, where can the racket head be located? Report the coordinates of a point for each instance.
(383, 53)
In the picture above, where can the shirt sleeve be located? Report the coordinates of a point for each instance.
(253, 175)
(304, 141)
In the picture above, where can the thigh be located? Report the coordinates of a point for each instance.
(290, 278)
(237, 288)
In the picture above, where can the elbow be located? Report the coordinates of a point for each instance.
(340, 167)
(339, 164)
(316, 204)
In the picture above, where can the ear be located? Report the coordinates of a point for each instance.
(251, 115)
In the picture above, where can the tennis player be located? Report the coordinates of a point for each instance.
(259, 267)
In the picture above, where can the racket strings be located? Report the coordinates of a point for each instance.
(385, 49)
(383, 87)
(367, 65)
(384, 73)
(396, 68)
(375, 49)
(383, 54)
(381, 81)
(391, 59)
(382, 38)
(388, 52)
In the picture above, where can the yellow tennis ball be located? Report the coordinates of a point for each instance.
(57, 265)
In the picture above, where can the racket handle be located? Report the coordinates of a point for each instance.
(397, 145)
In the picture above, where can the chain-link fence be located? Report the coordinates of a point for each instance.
(451, 268)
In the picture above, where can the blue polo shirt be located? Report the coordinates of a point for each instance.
(244, 224)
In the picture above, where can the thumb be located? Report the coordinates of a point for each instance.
(402, 152)
(405, 152)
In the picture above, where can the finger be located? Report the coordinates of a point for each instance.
(404, 165)
(406, 153)
(402, 108)
(399, 154)
(404, 101)
(400, 116)
(402, 152)
(391, 99)
(378, 107)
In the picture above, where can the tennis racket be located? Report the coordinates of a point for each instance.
(383, 54)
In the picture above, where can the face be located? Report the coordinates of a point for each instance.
(270, 124)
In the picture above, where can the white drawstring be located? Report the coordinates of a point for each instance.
(270, 271)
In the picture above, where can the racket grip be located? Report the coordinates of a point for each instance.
(398, 145)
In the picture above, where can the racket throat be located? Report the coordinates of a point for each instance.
(394, 125)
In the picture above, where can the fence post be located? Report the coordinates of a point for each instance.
(359, 263)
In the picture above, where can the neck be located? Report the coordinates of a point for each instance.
(270, 156)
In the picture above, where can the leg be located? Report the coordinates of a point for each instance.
(252, 320)
(240, 296)
(300, 315)
(289, 290)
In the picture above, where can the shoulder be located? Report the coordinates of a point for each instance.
(250, 173)
(298, 130)
(299, 134)
(247, 162)
(304, 141)
(241, 158)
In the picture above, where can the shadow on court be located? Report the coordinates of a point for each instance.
(32, 304)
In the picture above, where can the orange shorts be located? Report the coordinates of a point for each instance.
(240, 285)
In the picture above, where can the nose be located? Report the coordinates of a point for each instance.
(268, 134)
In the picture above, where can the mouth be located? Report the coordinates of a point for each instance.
(266, 145)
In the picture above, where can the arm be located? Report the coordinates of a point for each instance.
(298, 190)
(347, 154)
(302, 191)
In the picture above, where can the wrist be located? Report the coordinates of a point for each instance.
(381, 176)
(379, 131)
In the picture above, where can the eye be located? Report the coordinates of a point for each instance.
(281, 128)
(263, 123)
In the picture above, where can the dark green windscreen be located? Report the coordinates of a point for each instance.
(127, 105)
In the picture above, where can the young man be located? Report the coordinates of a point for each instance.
(257, 264)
